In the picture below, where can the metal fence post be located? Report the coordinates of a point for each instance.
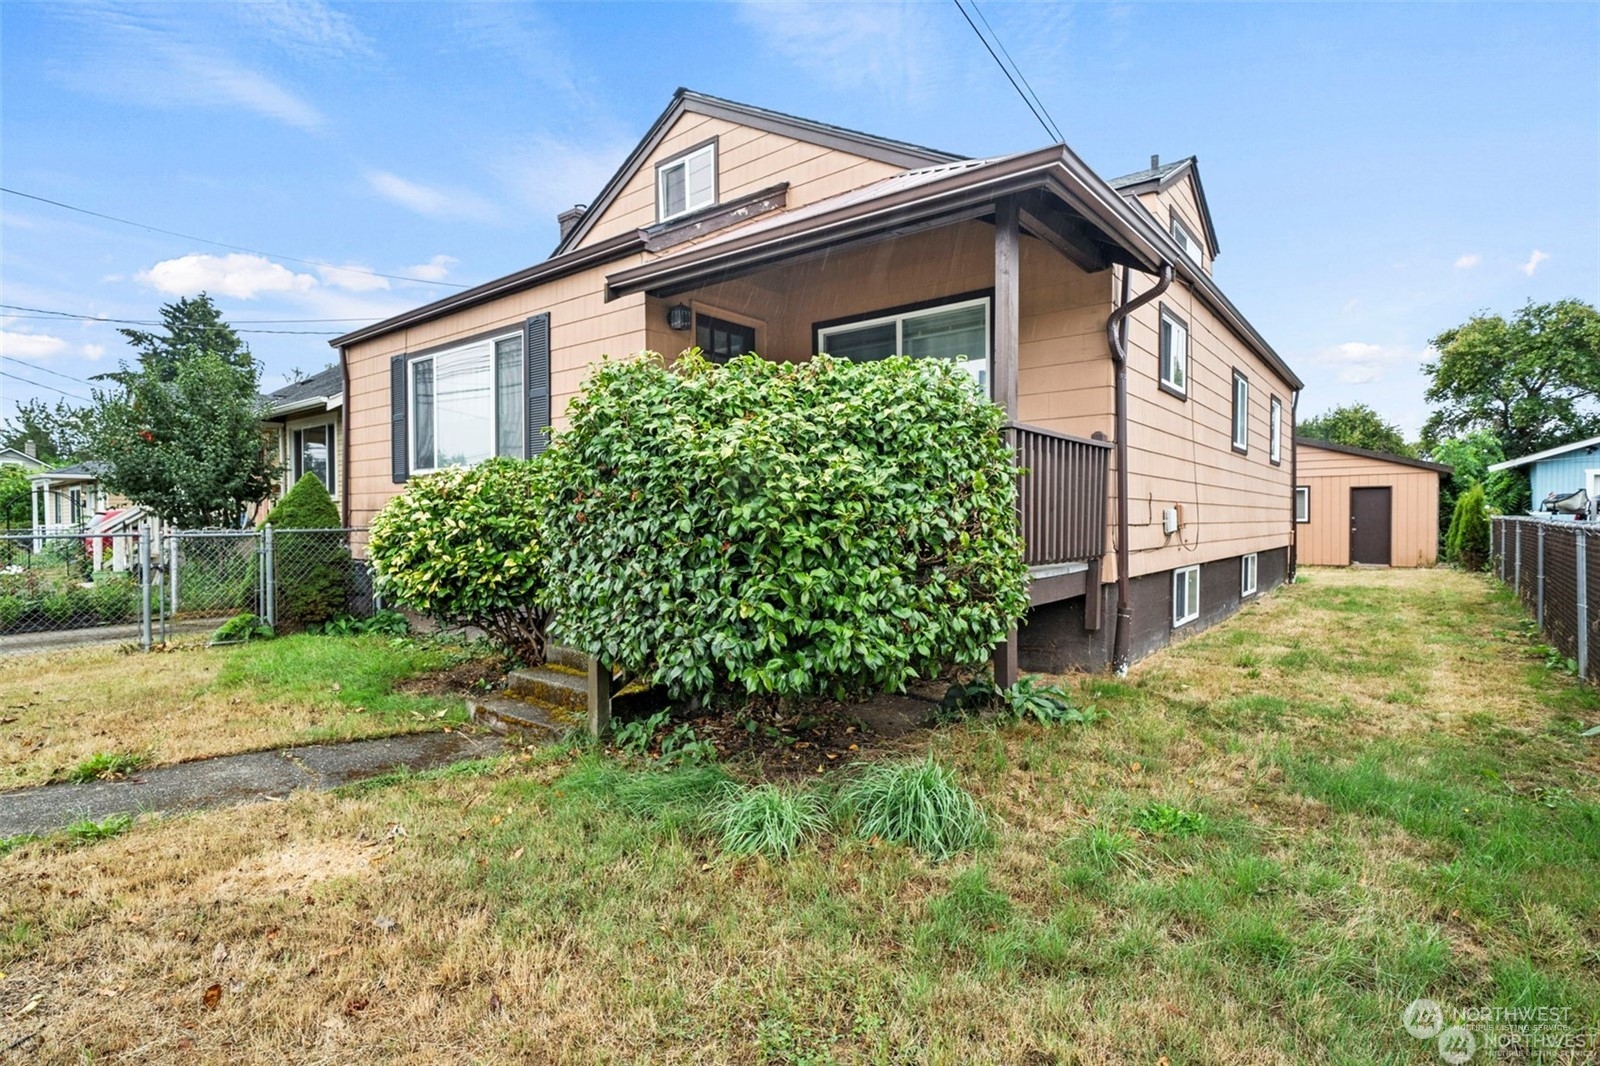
(1517, 583)
(269, 591)
(172, 572)
(144, 585)
(1538, 589)
(1582, 539)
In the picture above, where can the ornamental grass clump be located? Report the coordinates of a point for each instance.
(918, 804)
(464, 546)
(766, 820)
(801, 529)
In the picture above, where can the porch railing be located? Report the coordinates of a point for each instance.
(1062, 495)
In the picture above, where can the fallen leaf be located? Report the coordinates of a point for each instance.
(272, 934)
(33, 1005)
(354, 1006)
(212, 996)
(494, 1002)
(515, 855)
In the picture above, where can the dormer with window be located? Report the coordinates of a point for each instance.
(687, 182)
(1187, 243)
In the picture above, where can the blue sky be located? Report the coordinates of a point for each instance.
(1376, 172)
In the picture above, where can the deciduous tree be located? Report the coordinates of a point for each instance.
(1357, 426)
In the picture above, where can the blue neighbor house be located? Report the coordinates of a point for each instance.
(1562, 471)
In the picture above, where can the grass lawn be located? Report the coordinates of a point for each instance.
(77, 710)
(1362, 790)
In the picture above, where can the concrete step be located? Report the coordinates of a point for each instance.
(558, 686)
(503, 713)
(561, 655)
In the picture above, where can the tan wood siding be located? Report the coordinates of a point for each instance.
(1414, 507)
(1179, 197)
(748, 160)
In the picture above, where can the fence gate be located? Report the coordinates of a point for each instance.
(210, 575)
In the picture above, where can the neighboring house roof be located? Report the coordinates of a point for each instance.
(1592, 444)
(866, 145)
(1368, 453)
(1161, 178)
(18, 457)
(89, 470)
(321, 391)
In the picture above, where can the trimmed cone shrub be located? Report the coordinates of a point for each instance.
(311, 570)
(797, 529)
(1467, 541)
(463, 546)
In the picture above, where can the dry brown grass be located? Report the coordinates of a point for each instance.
(515, 917)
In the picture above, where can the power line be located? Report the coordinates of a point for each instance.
(1038, 110)
(1016, 67)
(155, 322)
(42, 385)
(220, 244)
(47, 370)
(44, 313)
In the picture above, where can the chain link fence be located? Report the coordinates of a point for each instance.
(1554, 566)
(59, 588)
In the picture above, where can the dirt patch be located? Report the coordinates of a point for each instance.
(290, 871)
(475, 675)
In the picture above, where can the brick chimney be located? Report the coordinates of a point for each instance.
(1155, 162)
(30, 449)
(569, 219)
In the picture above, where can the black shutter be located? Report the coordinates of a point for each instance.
(397, 419)
(536, 376)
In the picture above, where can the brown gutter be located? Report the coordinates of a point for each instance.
(1117, 335)
(344, 440)
(1294, 484)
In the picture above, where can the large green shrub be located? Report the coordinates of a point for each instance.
(463, 546)
(783, 528)
(1467, 542)
(311, 569)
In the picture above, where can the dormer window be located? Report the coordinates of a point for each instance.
(1185, 240)
(687, 182)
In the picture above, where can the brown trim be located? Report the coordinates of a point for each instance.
(1233, 412)
(344, 437)
(1274, 402)
(708, 220)
(714, 143)
(1159, 185)
(549, 270)
(1163, 310)
(906, 309)
(1346, 449)
(1060, 587)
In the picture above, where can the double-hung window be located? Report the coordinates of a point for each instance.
(1275, 431)
(467, 404)
(312, 452)
(1241, 412)
(1174, 353)
(1248, 566)
(1185, 595)
(957, 331)
(1185, 241)
(687, 183)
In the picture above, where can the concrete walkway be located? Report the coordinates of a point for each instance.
(69, 639)
(233, 779)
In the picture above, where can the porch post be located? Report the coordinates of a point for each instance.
(1007, 304)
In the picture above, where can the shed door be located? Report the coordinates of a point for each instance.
(1370, 526)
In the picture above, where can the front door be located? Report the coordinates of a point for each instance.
(1369, 526)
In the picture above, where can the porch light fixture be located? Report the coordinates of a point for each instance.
(680, 317)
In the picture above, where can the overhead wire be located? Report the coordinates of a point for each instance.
(1038, 109)
(223, 244)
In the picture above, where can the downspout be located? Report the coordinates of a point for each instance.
(1294, 485)
(344, 439)
(1117, 335)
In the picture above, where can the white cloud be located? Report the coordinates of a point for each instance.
(93, 351)
(548, 176)
(435, 269)
(1362, 363)
(30, 345)
(1533, 262)
(1468, 261)
(432, 201)
(894, 48)
(306, 27)
(241, 276)
(353, 277)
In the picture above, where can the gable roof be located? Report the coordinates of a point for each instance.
(869, 146)
(18, 457)
(1592, 444)
(1368, 453)
(88, 470)
(1162, 178)
(320, 390)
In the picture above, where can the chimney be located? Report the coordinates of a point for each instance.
(30, 449)
(1155, 161)
(569, 219)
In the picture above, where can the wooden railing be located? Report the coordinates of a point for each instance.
(1061, 494)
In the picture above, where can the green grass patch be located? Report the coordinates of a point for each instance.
(918, 804)
(89, 831)
(359, 672)
(107, 764)
(767, 819)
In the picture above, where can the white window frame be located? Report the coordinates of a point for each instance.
(683, 161)
(1177, 327)
(902, 317)
(1186, 242)
(1186, 578)
(1241, 411)
(1249, 573)
(294, 429)
(1275, 432)
(491, 423)
(1302, 504)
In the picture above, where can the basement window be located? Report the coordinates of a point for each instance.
(1248, 566)
(1185, 595)
(687, 183)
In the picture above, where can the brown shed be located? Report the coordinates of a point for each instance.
(1358, 506)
